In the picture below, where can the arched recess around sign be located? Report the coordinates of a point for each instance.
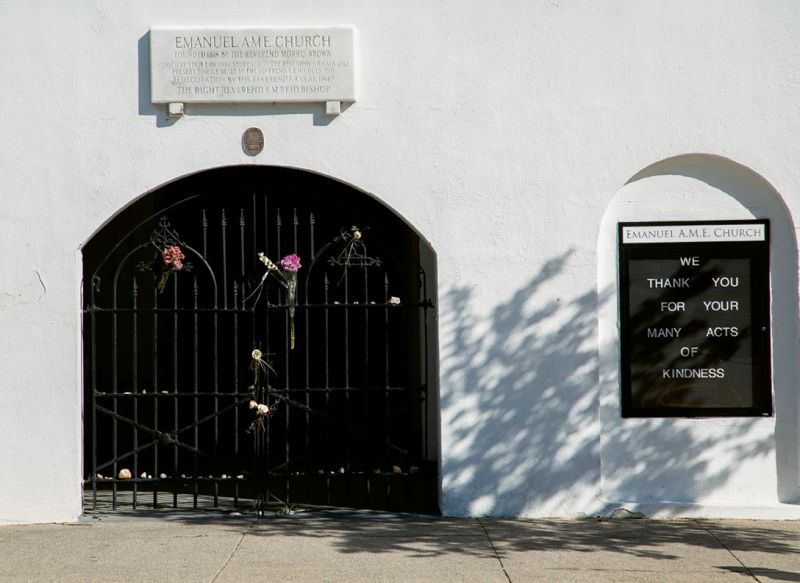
(712, 466)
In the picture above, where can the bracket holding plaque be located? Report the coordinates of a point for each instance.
(252, 65)
(695, 319)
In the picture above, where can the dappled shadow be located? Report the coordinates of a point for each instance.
(521, 435)
(519, 404)
(416, 536)
(763, 574)
(408, 535)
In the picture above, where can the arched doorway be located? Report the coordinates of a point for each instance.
(175, 390)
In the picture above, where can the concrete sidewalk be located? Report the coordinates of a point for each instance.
(368, 546)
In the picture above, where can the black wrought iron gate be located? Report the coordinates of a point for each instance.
(217, 378)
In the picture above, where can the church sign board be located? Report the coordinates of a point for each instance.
(695, 319)
(252, 65)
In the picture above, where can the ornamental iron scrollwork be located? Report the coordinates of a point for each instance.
(354, 253)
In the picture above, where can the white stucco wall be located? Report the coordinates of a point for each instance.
(506, 136)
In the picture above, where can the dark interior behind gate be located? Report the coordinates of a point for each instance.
(169, 371)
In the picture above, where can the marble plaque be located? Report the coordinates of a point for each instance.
(221, 65)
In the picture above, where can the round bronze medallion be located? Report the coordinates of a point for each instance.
(253, 141)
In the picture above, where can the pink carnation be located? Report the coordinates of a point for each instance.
(291, 263)
(173, 257)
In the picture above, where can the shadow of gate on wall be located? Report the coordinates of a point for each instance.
(171, 395)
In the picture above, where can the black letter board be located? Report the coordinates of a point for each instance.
(694, 319)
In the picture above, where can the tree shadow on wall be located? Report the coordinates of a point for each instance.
(518, 399)
(520, 411)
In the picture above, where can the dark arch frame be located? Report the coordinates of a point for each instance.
(166, 374)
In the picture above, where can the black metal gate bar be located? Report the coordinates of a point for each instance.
(175, 399)
(135, 384)
(289, 352)
(215, 353)
(236, 315)
(154, 388)
(386, 417)
(365, 366)
(425, 394)
(93, 396)
(306, 379)
(196, 412)
(327, 383)
(345, 342)
(115, 390)
(236, 377)
(262, 459)
(195, 384)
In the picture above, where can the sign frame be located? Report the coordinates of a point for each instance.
(689, 241)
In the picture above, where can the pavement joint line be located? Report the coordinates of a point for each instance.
(494, 550)
(235, 548)
(724, 546)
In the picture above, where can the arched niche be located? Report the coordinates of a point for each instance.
(680, 466)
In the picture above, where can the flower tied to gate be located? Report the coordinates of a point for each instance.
(259, 365)
(291, 265)
(287, 274)
(261, 411)
(172, 258)
(268, 262)
(260, 384)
